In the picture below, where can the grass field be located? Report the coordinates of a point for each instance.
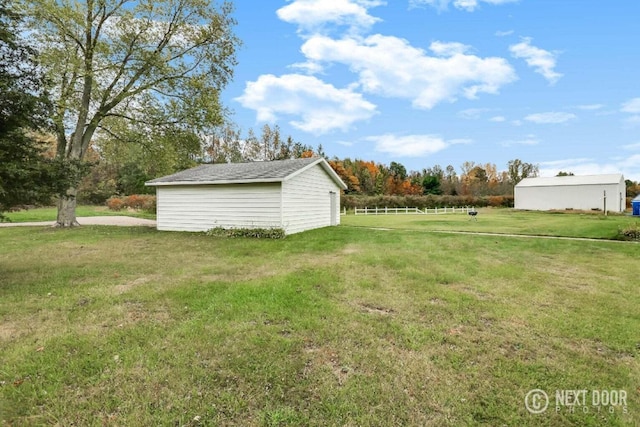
(50, 213)
(339, 326)
(505, 221)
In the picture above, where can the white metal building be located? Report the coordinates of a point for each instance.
(588, 192)
(296, 195)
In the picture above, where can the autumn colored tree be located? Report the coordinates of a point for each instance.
(367, 173)
(352, 182)
(633, 188)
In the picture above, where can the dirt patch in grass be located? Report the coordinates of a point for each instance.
(327, 358)
(470, 290)
(9, 330)
(350, 250)
(137, 312)
(375, 309)
(596, 348)
(131, 284)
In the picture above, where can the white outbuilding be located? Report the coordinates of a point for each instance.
(588, 192)
(295, 195)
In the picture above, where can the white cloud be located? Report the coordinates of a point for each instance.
(468, 5)
(550, 118)
(320, 107)
(503, 33)
(312, 15)
(586, 166)
(542, 61)
(391, 67)
(565, 162)
(590, 107)
(410, 145)
(345, 143)
(632, 147)
(498, 119)
(632, 120)
(460, 141)
(632, 106)
(527, 140)
(472, 113)
(448, 48)
(309, 67)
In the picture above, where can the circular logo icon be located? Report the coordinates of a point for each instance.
(536, 401)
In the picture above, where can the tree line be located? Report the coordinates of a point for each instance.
(471, 179)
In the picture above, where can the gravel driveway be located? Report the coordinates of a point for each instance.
(123, 221)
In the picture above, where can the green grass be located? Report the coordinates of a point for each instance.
(50, 213)
(338, 326)
(506, 221)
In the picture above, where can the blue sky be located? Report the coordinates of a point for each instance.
(425, 82)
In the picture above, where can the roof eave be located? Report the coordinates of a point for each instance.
(218, 182)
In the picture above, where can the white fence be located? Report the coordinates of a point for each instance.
(407, 210)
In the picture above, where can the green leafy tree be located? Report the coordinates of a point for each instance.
(633, 188)
(518, 170)
(153, 64)
(26, 177)
(431, 184)
(225, 145)
(398, 171)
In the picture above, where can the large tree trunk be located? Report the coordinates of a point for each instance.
(67, 209)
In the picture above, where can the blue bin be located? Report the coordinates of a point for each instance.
(635, 206)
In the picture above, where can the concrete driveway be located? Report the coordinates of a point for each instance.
(123, 221)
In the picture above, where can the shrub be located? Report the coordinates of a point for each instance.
(149, 203)
(256, 233)
(631, 232)
(140, 201)
(145, 202)
(430, 201)
(115, 203)
(495, 201)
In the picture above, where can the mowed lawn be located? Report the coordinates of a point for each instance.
(338, 326)
(505, 221)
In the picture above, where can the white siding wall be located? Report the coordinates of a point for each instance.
(306, 201)
(202, 207)
(580, 197)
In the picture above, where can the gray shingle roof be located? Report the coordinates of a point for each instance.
(224, 173)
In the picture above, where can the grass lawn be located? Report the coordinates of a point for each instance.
(341, 326)
(50, 213)
(506, 221)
